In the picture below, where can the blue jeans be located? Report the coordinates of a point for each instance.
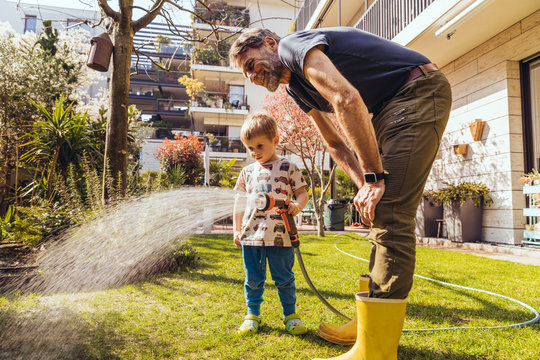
(280, 262)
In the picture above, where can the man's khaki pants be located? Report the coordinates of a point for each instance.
(408, 129)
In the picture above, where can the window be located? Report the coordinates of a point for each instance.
(30, 23)
(530, 77)
(236, 96)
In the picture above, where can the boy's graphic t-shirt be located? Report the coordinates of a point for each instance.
(280, 179)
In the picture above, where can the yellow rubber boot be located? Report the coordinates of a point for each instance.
(343, 334)
(380, 322)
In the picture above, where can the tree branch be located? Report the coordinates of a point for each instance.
(108, 10)
(154, 62)
(149, 16)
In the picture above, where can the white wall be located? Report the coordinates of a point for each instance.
(486, 85)
(148, 161)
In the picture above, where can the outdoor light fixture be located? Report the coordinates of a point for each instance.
(450, 27)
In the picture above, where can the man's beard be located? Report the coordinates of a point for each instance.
(273, 71)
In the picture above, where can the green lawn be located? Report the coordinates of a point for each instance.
(195, 314)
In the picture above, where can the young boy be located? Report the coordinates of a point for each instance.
(262, 235)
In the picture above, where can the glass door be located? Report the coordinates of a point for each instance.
(530, 86)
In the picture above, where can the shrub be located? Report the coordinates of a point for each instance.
(36, 223)
(477, 192)
(183, 152)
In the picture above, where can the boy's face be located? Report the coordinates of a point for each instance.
(262, 148)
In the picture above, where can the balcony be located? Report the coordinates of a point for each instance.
(217, 55)
(176, 107)
(157, 77)
(387, 18)
(150, 104)
(442, 30)
(216, 144)
(305, 14)
(222, 15)
(213, 102)
(225, 144)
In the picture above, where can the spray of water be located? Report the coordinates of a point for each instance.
(128, 242)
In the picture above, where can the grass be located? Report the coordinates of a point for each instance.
(195, 314)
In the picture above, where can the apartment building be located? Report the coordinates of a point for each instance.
(162, 58)
(229, 97)
(217, 113)
(490, 52)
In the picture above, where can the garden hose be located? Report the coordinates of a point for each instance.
(521, 324)
(265, 202)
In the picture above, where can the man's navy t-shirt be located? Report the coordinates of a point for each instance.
(375, 66)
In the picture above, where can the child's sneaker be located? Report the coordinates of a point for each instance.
(294, 325)
(250, 325)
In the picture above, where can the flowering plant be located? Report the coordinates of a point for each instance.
(183, 152)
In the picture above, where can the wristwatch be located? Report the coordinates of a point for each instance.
(374, 177)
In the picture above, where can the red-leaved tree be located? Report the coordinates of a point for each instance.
(299, 137)
(182, 154)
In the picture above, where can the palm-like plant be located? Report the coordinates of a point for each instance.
(58, 139)
(221, 173)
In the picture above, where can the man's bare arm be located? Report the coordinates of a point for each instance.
(338, 149)
(351, 112)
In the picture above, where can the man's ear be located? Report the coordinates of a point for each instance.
(276, 140)
(271, 42)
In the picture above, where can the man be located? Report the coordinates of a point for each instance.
(352, 73)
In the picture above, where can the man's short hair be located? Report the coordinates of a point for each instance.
(257, 124)
(252, 38)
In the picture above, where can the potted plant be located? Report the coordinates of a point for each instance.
(463, 204)
(531, 178)
(431, 211)
(531, 190)
(163, 43)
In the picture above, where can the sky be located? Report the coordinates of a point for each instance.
(181, 17)
(92, 4)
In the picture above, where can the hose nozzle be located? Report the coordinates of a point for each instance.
(264, 202)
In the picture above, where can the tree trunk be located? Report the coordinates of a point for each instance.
(117, 125)
(5, 175)
(52, 169)
(319, 214)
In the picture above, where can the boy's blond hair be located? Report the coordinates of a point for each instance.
(258, 123)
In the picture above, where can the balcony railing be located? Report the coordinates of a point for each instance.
(387, 18)
(177, 106)
(228, 16)
(306, 13)
(216, 56)
(160, 76)
(220, 101)
(215, 143)
(226, 144)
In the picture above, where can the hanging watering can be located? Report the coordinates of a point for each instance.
(100, 52)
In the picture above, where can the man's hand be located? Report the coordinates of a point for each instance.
(237, 239)
(367, 199)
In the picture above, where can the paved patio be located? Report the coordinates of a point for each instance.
(528, 255)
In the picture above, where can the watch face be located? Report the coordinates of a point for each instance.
(370, 177)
